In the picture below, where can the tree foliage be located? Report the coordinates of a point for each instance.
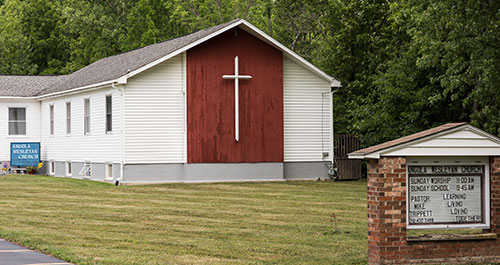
(405, 65)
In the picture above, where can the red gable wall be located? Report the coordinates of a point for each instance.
(210, 101)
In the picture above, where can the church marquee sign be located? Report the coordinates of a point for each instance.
(447, 196)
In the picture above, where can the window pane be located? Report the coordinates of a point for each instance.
(109, 119)
(17, 128)
(108, 104)
(52, 120)
(109, 123)
(86, 114)
(17, 114)
(68, 118)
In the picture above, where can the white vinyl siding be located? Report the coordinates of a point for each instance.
(32, 124)
(307, 107)
(97, 146)
(154, 114)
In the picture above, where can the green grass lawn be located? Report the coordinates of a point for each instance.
(88, 222)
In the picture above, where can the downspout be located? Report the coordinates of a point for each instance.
(333, 168)
(122, 133)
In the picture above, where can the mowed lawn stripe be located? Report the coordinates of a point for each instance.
(87, 222)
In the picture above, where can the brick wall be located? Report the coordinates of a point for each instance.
(387, 221)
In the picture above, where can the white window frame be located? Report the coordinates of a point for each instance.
(51, 119)
(68, 118)
(52, 167)
(69, 169)
(17, 121)
(109, 171)
(108, 123)
(86, 170)
(86, 116)
(421, 161)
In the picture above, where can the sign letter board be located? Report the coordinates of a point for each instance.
(24, 154)
(445, 195)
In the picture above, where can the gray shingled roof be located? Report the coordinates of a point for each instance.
(26, 85)
(107, 69)
(111, 68)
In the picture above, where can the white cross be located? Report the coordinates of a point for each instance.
(236, 78)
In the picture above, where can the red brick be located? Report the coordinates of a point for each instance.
(387, 221)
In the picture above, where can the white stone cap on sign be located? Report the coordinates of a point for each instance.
(453, 139)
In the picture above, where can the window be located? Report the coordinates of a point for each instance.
(52, 167)
(109, 171)
(109, 114)
(17, 121)
(51, 119)
(68, 117)
(86, 119)
(69, 170)
(86, 170)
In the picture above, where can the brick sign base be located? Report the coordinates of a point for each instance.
(387, 239)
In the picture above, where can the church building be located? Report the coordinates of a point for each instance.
(227, 103)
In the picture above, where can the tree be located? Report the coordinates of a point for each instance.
(150, 21)
(446, 71)
(91, 32)
(14, 45)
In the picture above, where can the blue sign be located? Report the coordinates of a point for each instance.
(24, 154)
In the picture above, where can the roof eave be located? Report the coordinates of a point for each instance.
(17, 97)
(356, 156)
(78, 89)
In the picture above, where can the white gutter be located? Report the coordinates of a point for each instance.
(79, 89)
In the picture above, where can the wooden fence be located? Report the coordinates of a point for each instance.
(348, 168)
